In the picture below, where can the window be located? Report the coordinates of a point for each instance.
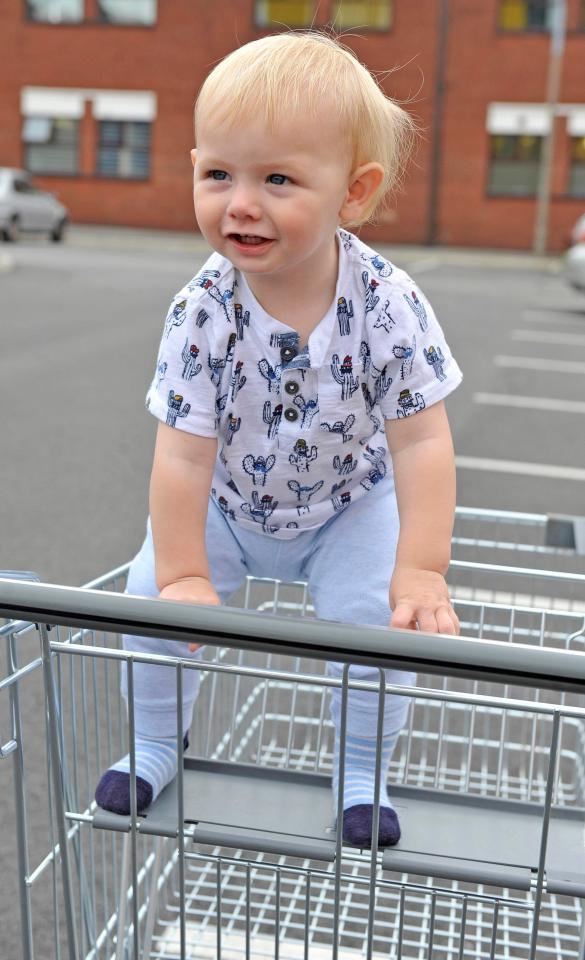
(514, 164)
(375, 14)
(293, 13)
(128, 11)
(55, 11)
(22, 185)
(138, 12)
(519, 15)
(577, 173)
(124, 149)
(51, 144)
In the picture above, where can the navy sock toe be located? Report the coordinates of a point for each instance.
(357, 826)
(113, 793)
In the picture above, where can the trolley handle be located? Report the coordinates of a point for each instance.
(491, 660)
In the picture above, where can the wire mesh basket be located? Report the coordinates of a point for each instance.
(488, 778)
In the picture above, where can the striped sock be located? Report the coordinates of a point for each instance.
(156, 766)
(360, 769)
(358, 792)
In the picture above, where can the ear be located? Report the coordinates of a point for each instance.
(362, 185)
(193, 156)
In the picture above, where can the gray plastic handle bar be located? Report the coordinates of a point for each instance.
(324, 640)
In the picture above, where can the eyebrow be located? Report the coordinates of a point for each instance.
(287, 162)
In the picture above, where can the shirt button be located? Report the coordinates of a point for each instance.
(291, 387)
(287, 353)
(291, 414)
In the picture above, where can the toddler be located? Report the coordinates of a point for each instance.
(299, 388)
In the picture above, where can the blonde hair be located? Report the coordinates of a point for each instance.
(302, 71)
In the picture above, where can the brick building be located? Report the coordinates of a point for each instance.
(96, 100)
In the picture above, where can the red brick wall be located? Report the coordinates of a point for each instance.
(173, 58)
(504, 68)
(411, 48)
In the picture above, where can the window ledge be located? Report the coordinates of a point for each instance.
(554, 198)
(89, 177)
(96, 22)
(538, 32)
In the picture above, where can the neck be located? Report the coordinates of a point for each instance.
(311, 284)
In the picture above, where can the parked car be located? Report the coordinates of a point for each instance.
(575, 256)
(23, 207)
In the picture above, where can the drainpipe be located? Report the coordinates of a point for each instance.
(558, 28)
(437, 122)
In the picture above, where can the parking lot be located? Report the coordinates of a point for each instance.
(81, 329)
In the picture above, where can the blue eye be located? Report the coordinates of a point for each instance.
(217, 174)
(277, 178)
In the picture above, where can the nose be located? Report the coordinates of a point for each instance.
(243, 203)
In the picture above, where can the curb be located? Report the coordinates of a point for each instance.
(130, 239)
(418, 258)
(414, 258)
(421, 259)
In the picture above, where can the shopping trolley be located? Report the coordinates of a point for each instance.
(539, 537)
(240, 856)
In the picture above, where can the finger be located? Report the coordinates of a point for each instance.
(447, 621)
(427, 621)
(455, 621)
(403, 617)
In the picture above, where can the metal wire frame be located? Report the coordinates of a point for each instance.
(139, 882)
(81, 651)
(238, 898)
(142, 872)
(535, 534)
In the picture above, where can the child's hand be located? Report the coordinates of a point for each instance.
(421, 598)
(191, 590)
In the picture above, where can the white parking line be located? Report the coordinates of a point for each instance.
(521, 468)
(539, 363)
(552, 315)
(547, 336)
(529, 403)
(423, 265)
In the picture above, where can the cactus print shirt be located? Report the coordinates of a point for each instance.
(300, 432)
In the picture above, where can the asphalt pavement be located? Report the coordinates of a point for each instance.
(81, 323)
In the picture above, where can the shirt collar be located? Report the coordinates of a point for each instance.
(271, 330)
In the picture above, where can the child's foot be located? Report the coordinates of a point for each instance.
(156, 766)
(358, 822)
(358, 795)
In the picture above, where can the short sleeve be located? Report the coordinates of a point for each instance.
(411, 365)
(182, 393)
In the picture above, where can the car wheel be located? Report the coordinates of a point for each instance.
(58, 231)
(11, 233)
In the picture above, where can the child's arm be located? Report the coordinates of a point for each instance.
(424, 475)
(179, 492)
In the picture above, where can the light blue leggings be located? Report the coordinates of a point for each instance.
(348, 564)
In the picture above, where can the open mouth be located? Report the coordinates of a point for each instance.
(248, 239)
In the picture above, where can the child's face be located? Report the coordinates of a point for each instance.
(270, 202)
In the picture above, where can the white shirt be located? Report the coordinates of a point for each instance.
(300, 434)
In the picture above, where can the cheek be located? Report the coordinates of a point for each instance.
(301, 214)
(207, 209)
(310, 221)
